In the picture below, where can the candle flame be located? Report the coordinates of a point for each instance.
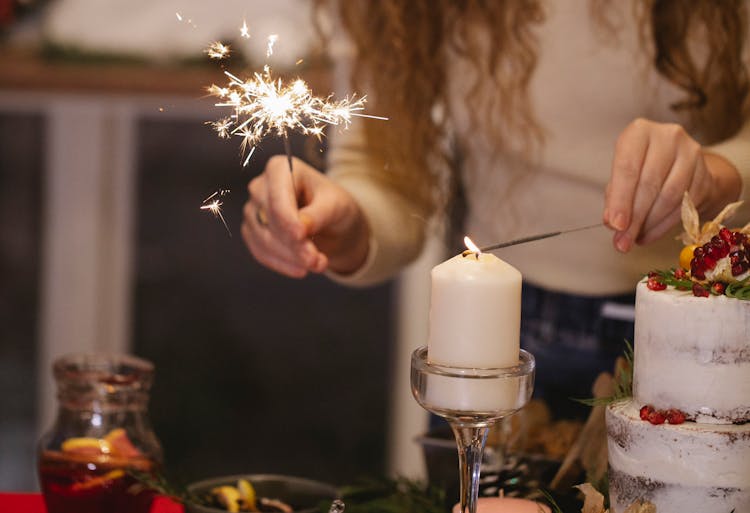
(472, 247)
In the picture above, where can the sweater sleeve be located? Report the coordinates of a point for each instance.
(736, 150)
(397, 228)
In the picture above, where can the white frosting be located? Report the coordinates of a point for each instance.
(683, 468)
(693, 353)
(689, 454)
(689, 499)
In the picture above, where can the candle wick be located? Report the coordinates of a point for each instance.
(468, 252)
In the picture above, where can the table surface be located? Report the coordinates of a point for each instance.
(33, 503)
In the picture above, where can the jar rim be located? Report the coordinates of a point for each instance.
(107, 368)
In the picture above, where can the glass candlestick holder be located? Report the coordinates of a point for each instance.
(471, 400)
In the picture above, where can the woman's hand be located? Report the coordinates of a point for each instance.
(309, 225)
(653, 165)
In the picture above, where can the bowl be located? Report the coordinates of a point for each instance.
(303, 495)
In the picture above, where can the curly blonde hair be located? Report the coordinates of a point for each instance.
(402, 49)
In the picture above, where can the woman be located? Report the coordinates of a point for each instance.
(544, 116)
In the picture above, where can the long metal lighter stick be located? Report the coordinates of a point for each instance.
(532, 238)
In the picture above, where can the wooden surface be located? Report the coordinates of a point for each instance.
(29, 71)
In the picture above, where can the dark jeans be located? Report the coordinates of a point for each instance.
(573, 339)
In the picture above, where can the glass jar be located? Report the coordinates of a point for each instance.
(102, 439)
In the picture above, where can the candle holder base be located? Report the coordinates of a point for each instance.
(471, 400)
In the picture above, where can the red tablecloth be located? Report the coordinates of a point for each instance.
(33, 503)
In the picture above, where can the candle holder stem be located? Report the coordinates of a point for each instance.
(470, 439)
(471, 400)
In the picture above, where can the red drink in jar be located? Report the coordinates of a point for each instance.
(89, 462)
(82, 484)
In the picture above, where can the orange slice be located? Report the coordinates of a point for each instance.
(247, 494)
(99, 481)
(86, 445)
(229, 497)
(121, 444)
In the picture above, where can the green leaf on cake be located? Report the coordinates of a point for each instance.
(739, 290)
(669, 278)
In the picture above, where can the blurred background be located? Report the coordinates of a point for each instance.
(105, 159)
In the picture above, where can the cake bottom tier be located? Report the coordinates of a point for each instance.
(683, 468)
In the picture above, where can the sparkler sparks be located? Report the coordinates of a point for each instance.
(271, 41)
(263, 105)
(213, 204)
(181, 19)
(218, 50)
(244, 31)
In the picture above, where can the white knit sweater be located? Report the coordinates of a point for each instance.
(584, 91)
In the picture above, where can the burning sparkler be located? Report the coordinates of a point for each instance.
(263, 105)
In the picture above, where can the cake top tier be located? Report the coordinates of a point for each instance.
(693, 354)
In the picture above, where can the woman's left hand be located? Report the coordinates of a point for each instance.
(654, 164)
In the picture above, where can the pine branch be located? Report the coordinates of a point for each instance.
(551, 500)
(623, 382)
(159, 484)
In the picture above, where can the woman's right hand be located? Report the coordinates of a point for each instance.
(301, 222)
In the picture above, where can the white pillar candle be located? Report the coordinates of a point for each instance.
(475, 321)
(475, 312)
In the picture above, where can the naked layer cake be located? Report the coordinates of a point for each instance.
(682, 442)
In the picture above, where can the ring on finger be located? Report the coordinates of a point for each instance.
(260, 216)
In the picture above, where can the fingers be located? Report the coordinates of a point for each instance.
(656, 167)
(630, 152)
(269, 257)
(291, 259)
(272, 227)
(665, 210)
(276, 193)
(654, 164)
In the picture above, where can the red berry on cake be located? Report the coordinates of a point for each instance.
(646, 411)
(697, 270)
(675, 416)
(657, 417)
(699, 290)
(656, 283)
(717, 288)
